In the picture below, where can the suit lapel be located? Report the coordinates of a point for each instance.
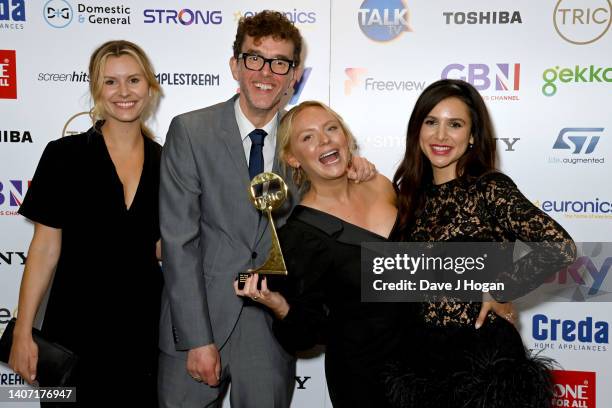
(231, 137)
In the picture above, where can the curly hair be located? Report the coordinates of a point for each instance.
(268, 23)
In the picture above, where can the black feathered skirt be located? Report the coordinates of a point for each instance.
(461, 367)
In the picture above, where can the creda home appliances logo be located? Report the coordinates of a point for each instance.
(383, 20)
(12, 14)
(566, 334)
(582, 22)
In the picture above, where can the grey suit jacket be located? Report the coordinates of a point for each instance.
(210, 230)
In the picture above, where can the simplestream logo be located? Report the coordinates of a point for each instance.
(383, 20)
(582, 22)
(578, 145)
(555, 333)
(503, 79)
(578, 74)
(12, 14)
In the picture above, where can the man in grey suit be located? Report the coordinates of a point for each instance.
(211, 231)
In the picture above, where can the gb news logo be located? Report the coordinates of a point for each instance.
(577, 145)
(11, 195)
(497, 82)
(383, 20)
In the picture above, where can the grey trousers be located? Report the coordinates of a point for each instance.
(261, 373)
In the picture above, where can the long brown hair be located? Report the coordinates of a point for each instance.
(414, 173)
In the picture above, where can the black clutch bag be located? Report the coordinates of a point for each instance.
(55, 363)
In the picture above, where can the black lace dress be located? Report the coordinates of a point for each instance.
(451, 363)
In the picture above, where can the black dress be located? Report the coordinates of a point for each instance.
(323, 256)
(451, 364)
(105, 296)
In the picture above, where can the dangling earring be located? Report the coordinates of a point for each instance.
(470, 145)
(150, 93)
(296, 174)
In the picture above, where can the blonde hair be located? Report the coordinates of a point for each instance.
(117, 48)
(285, 130)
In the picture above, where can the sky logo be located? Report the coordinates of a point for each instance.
(384, 20)
(568, 136)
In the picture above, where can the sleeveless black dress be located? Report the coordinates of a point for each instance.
(323, 256)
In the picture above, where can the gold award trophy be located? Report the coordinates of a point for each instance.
(268, 191)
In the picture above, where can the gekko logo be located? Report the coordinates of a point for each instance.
(15, 136)
(574, 388)
(383, 20)
(58, 13)
(182, 17)
(8, 74)
(11, 195)
(580, 143)
(578, 74)
(500, 78)
(299, 86)
(482, 17)
(371, 84)
(295, 16)
(12, 14)
(570, 335)
(582, 21)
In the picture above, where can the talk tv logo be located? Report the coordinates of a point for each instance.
(8, 74)
(383, 20)
(582, 22)
(574, 389)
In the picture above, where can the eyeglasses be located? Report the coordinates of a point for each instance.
(254, 62)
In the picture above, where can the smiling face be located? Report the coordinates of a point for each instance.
(261, 91)
(125, 91)
(318, 144)
(444, 137)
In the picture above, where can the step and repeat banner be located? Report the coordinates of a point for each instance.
(544, 69)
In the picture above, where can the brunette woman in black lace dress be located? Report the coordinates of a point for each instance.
(448, 190)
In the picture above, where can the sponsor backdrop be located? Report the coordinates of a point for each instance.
(543, 67)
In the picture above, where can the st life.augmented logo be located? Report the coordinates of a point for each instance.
(58, 13)
(12, 14)
(501, 81)
(582, 22)
(8, 74)
(383, 20)
(182, 17)
(577, 145)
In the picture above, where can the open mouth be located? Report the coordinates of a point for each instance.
(263, 87)
(125, 105)
(329, 157)
(440, 149)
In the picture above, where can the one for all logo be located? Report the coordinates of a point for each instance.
(573, 389)
(383, 20)
(8, 74)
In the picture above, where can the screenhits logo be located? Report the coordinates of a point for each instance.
(12, 14)
(383, 20)
(580, 144)
(582, 22)
(502, 79)
(574, 389)
(8, 74)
